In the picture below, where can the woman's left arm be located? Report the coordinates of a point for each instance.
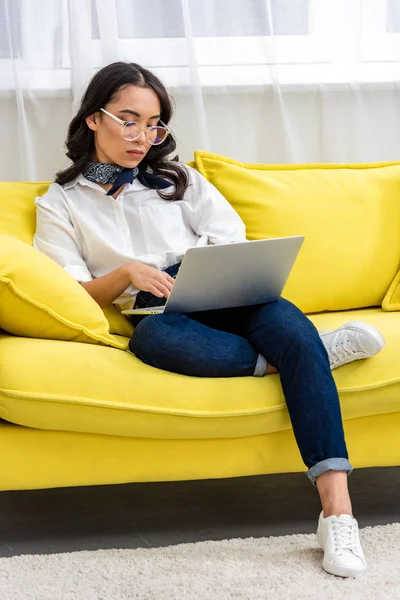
(211, 214)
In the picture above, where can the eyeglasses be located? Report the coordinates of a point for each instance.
(131, 130)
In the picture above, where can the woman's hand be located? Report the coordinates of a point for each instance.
(149, 279)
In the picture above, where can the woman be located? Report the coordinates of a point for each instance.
(119, 220)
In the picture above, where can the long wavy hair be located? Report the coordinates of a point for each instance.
(102, 89)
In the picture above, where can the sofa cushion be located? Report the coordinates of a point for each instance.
(349, 214)
(392, 299)
(95, 389)
(118, 323)
(17, 208)
(39, 299)
(18, 219)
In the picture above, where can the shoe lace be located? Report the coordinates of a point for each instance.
(340, 351)
(345, 536)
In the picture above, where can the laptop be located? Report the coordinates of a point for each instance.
(230, 275)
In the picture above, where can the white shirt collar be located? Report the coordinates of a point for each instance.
(83, 181)
(79, 179)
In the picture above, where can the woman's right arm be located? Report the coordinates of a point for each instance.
(107, 288)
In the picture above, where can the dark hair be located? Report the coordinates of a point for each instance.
(102, 89)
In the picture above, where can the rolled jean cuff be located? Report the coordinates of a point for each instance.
(330, 464)
(261, 366)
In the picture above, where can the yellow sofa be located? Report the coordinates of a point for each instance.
(77, 409)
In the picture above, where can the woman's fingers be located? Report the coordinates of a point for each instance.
(155, 291)
(168, 285)
(160, 284)
(161, 287)
(166, 280)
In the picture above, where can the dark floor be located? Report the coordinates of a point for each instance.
(160, 514)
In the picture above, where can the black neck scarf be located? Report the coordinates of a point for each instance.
(119, 176)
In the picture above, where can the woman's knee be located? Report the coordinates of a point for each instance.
(286, 310)
(287, 334)
(288, 322)
(151, 334)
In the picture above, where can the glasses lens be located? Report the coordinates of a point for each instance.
(156, 135)
(131, 131)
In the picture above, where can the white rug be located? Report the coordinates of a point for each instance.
(274, 568)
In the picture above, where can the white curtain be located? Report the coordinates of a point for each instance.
(273, 81)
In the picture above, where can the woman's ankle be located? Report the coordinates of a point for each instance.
(334, 493)
(337, 510)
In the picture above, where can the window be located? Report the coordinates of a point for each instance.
(10, 29)
(210, 18)
(380, 35)
(158, 33)
(231, 42)
(393, 16)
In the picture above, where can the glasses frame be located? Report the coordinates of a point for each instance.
(144, 129)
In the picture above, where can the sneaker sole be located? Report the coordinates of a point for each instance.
(342, 571)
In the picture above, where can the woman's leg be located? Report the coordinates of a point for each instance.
(182, 344)
(290, 342)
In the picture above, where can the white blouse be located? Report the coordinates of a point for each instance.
(90, 234)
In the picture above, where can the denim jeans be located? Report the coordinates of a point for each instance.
(230, 342)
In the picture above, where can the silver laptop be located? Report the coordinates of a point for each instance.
(229, 275)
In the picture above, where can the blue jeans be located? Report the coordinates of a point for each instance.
(234, 342)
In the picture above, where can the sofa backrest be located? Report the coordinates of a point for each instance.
(17, 208)
(349, 215)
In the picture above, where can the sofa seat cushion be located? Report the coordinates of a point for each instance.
(57, 385)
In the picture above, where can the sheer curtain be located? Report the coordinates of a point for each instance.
(257, 80)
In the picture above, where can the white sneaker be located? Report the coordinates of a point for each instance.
(340, 539)
(352, 341)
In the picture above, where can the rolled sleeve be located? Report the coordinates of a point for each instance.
(79, 273)
(56, 237)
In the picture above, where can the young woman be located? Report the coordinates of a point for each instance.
(119, 220)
